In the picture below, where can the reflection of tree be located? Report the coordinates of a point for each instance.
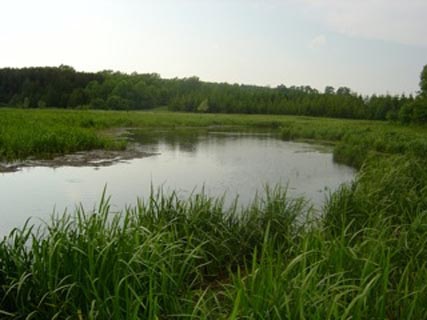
(189, 140)
(186, 140)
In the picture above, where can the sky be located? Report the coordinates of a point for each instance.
(371, 46)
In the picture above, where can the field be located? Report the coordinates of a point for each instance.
(363, 258)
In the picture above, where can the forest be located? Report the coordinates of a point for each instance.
(64, 87)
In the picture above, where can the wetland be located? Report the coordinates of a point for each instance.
(232, 163)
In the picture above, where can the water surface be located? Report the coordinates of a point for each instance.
(224, 163)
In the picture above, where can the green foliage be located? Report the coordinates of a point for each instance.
(406, 113)
(203, 106)
(170, 258)
(414, 112)
(151, 261)
(362, 257)
(386, 107)
(63, 87)
(343, 91)
(44, 134)
(356, 140)
(117, 103)
(423, 82)
(329, 90)
(56, 87)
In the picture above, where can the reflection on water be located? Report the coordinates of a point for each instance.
(225, 163)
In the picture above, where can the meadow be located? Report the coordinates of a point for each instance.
(43, 133)
(168, 258)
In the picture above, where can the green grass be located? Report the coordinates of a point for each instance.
(166, 258)
(45, 132)
(157, 259)
(356, 140)
(171, 258)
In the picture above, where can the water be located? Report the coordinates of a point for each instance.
(224, 163)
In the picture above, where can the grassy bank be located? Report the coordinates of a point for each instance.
(171, 258)
(364, 258)
(44, 133)
(356, 140)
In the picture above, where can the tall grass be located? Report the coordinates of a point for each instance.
(356, 140)
(156, 259)
(365, 261)
(42, 135)
(363, 258)
(45, 132)
(171, 258)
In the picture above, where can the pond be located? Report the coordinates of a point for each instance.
(222, 162)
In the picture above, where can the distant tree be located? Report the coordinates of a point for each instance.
(53, 96)
(329, 90)
(64, 67)
(98, 103)
(94, 90)
(423, 82)
(406, 113)
(41, 104)
(144, 95)
(77, 98)
(420, 111)
(414, 112)
(26, 103)
(64, 87)
(122, 89)
(118, 103)
(191, 84)
(343, 91)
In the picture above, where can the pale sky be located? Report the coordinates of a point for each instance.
(372, 46)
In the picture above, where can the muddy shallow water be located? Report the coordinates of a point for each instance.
(93, 158)
(224, 163)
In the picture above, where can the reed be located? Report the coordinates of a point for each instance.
(194, 258)
(47, 132)
(363, 257)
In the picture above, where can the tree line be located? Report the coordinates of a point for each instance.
(64, 87)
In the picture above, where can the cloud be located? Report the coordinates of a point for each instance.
(398, 21)
(317, 42)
